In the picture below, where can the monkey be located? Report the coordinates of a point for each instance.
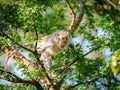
(52, 44)
(55, 42)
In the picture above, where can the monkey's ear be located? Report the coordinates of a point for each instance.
(57, 33)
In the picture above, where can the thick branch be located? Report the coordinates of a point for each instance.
(80, 14)
(76, 20)
(19, 57)
(88, 81)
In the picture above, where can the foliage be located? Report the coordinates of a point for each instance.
(115, 62)
(22, 18)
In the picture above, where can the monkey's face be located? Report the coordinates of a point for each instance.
(62, 38)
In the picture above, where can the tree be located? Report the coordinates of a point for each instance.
(23, 21)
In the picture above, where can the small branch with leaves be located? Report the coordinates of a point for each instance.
(7, 36)
(88, 81)
(15, 79)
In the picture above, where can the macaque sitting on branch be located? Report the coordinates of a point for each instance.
(55, 42)
(50, 45)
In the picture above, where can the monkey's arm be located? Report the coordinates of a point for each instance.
(43, 45)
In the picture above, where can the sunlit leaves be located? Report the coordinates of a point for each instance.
(3, 87)
(116, 63)
(19, 65)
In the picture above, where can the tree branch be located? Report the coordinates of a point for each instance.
(88, 81)
(16, 79)
(94, 49)
(73, 13)
(80, 14)
(48, 81)
(59, 83)
(36, 33)
(76, 20)
(84, 55)
(19, 57)
(111, 3)
(4, 34)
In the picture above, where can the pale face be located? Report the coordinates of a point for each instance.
(62, 38)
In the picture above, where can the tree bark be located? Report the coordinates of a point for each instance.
(19, 58)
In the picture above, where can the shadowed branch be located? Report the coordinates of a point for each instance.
(16, 79)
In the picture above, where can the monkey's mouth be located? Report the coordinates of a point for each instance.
(62, 46)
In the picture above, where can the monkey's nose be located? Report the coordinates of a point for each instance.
(63, 38)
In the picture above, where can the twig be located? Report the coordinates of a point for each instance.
(16, 79)
(36, 33)
(11, 74)
(88, 81)
(84, 55)
(73, 13)
(107, 43)
(4, 34)
(111, 3)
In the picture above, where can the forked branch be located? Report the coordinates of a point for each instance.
(73, 14)
(76, 19)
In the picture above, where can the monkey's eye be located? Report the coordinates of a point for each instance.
(63, 38)
(58, 34)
